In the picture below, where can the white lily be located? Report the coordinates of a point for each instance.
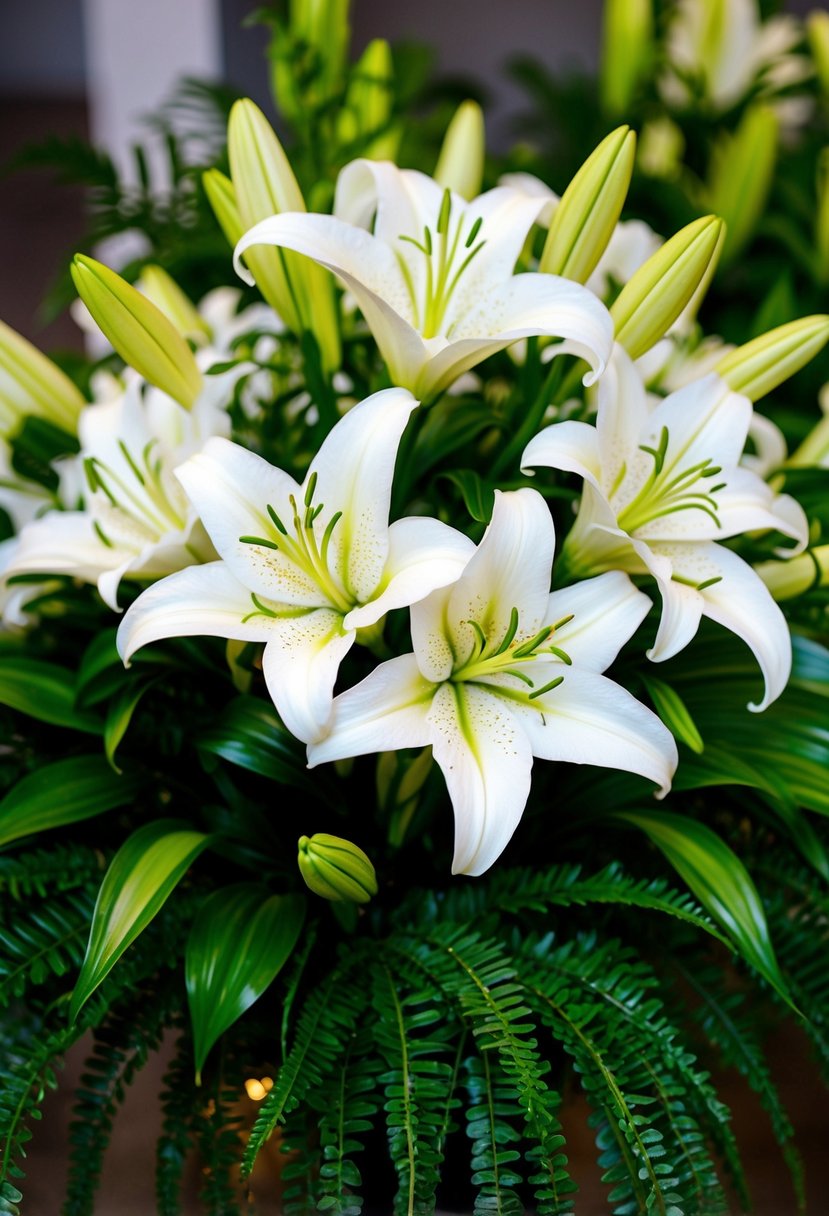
(724, 48)
(303, 567)
(135, 519)
(503, 671)
(435, 275)
(661, 487)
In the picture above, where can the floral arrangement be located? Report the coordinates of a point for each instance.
(364, 729)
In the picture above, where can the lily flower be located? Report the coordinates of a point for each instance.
(303, 567)
(502, 671)
(661, 487)
(135, 519)
(434, 277)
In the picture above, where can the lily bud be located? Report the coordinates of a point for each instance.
(140, 332)
(336, 869)
(757, 367)
(590, 207)
(308, 57)
(627, 49)
(742, 167)
(222, 198)
(787, 579)
(163, 291)
(367, 110)
(32, 384)
(817, 24)
(648, 305)
(300, 292)
(460, 165)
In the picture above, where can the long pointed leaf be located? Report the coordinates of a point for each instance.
(64, 792)
(141, 876)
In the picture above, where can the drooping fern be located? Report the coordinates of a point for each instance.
(48, 942)
(494, 1119)
(348, 1113)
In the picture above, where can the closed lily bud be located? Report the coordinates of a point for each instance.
(299, 290)
(32, 384)
(742, 167)
(817, 24)
(590, 207)
(222, 198)
(368, 105)
(140, 332)
(787, 579)
(651, 301)
(336, 869)
(309, 56)
(460, 165)
(757, 367)
(627, 49)
(163, 291)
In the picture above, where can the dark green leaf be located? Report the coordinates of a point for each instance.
(44, 691)
(241, 939)
(64, 792)
(477, 495)
(141, 876)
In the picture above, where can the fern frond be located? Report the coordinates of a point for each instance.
(327, 1019)
(176, 1134)
(49, 942)
(493, 1118)
(482, 979)
(411, 1033)
(42, 872)
(122, 1046)
(352, 1103)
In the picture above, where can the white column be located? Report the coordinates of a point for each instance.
(136, 51)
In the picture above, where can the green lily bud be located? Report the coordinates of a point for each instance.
(368, 106)
(661, 148)
(817, 25)
(32, 384)
(627, 49)
(648, 305)
(760, 365)
(336, 869)
(222, 198)
(460, 165)
(163, 291)
(787, 579)
(140, 332)
(590, 208)
(301, 292)
(741, 171)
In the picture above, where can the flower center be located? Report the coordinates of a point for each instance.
(300, 545)
(447, 257)
(138, 490)
(667, 491)
(507, 656)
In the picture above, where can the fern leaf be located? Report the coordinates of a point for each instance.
(493, 1117)
(327, 1019)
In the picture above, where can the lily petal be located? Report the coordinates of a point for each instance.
(742, 603)
(704, 418)
(622, 416)
(747, 503)
(231, 488)
(386, 711)
(570, 446)
(300, 665)
(199, 601)
(606, 612)
(64, 542)
(368, 268)
(486, 761)
(424, 554)
(510, 569)
(353, 470)
(590, 720)
(528, 305)
(399, 201)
